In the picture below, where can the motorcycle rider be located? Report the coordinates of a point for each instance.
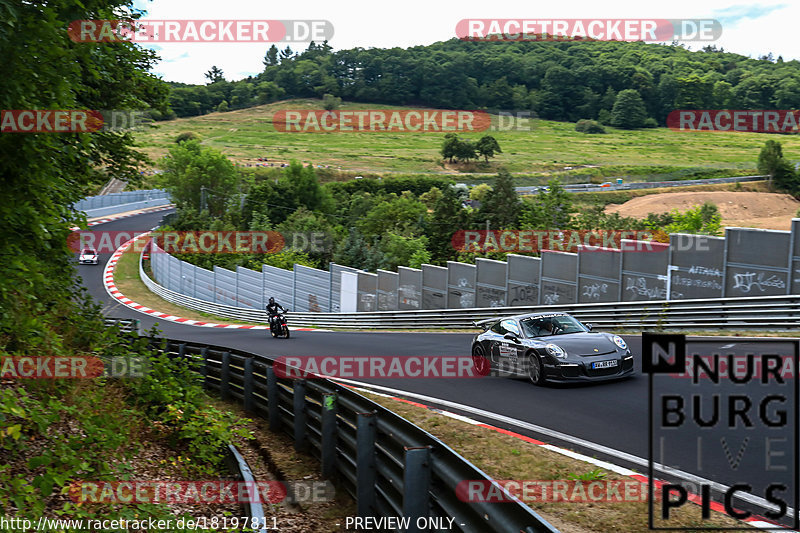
(272, 310)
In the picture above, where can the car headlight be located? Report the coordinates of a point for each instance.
(555, 350)
(619, 341)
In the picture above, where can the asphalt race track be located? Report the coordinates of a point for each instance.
(610, 414)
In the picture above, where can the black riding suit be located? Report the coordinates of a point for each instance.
(272, 310)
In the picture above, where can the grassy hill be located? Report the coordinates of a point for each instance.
(532, 156)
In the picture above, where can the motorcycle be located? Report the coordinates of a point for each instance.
(278, 326)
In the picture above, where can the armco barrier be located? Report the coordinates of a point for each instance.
(592, 187)
(765, 312)
(387, 464)
(118, 198)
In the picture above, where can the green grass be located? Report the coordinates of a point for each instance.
(533, 156)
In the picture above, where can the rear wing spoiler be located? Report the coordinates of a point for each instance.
(486, 323)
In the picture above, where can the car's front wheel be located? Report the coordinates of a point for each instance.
(480, 362)
(535, 371)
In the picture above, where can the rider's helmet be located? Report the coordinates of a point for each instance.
(271, 300)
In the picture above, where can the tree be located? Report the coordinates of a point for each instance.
(268, 91)
(354, 252)
(330, 102)
(782, 174)
(431, 197)
(222, 107)
(395, 214)
(465, 150)
(42, 310)
(286, 54)
(214, 75)
(487, 146)
(479, 192)
(399, 250)
(501, 206)
(187, 136)
(770, 157)
(589, 126)
(310, 233)
(629, 111)
(271, 57)
(551, 209)
(195, 175)
(448, 218)
(450, 146)
(304, 187)
(702, 219)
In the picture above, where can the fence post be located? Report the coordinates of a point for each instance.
(182, 350)
(365, 463)
(225, 376)
(299, 404)
(416, 484)
(328, 445)
(274, 413)
(248, 385)
(204, 369)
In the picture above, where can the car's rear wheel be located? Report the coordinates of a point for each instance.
(535, 371)
(480, 362)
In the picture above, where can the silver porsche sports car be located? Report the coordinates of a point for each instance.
(549, 347)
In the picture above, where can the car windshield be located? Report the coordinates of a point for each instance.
(87, 251)
(551, 325)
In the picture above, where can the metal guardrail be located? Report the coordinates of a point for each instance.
(238, 465)
(125, 197)
(387, 464)
(768, 312)
(125, 325)
(593, 187)
(758, 312)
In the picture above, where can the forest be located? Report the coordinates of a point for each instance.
(565, 81)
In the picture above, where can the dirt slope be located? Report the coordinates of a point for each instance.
(745, 209)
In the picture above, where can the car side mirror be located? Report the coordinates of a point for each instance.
(588, 326)
(511, 337)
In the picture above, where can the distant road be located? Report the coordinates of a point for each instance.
(592, 187)
(114, 185)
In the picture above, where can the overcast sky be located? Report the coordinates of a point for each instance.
(748, 28)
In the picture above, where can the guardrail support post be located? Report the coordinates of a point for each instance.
(248, 385)
(182, 350)
(299, 404)
(274, 413)
(204, 369)
(328, 452)
(416, 484)
(365, 463)
(225, 376)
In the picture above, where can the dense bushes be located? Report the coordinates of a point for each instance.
(589, 126)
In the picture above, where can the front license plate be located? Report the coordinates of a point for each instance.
(605, 364)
